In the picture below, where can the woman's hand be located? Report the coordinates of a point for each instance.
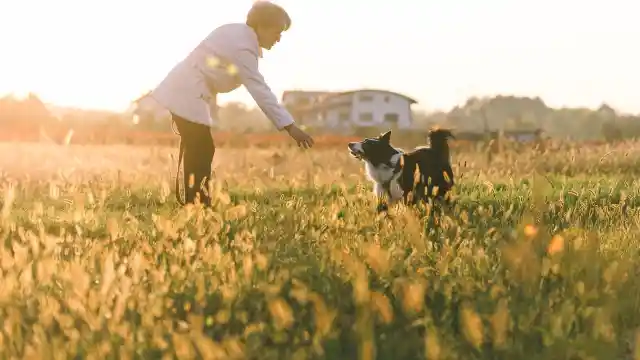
(303, 139)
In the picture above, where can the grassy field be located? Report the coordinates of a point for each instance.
(536, 261)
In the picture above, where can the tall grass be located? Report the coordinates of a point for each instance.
(537, 259)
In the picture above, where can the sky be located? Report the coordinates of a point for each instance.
(103, 54)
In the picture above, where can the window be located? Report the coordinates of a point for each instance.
(391, 117)
(366, 98)
(366, 116)
(343, 116)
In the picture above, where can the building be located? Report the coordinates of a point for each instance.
(348, 109)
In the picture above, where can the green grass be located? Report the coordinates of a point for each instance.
(533, 268)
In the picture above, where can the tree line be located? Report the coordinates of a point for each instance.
(475, 115)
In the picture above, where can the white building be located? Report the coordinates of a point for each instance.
(348, 109)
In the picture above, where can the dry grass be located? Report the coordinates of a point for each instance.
(99, 262)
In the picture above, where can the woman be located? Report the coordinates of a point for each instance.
(223, 61)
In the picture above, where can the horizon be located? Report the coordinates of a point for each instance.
(252, 106)
(554, 51)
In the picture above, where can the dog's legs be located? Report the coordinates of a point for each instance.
(380, 195)
(418, 193)
(406, 200)
(409, 179)
(378, 189)
(421, 182)
(394, 193)
(430, 191)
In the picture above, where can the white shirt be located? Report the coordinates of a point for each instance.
(224, 60)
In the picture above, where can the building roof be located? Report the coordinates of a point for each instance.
(411, 100)
(331, 94)
(313, 93)
(325, 102)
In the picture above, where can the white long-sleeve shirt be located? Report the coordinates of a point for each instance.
(224, 60)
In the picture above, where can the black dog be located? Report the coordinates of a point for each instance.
(435, 178)
(393, 171)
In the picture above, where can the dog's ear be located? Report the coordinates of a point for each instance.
(386, 136)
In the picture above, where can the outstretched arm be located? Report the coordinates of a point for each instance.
(247, 63)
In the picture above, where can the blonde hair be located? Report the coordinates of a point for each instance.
(266, 13)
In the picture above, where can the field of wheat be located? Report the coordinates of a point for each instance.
(536, 260)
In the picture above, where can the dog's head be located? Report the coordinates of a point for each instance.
(374, 150)
(440, 136)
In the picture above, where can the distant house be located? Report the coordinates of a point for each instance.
(348, 109)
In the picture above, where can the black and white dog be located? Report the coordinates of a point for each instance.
(393, 171)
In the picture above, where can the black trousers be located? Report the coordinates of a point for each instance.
(197, 150)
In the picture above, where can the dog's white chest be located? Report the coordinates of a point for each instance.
(383, 174)
(380, 173)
